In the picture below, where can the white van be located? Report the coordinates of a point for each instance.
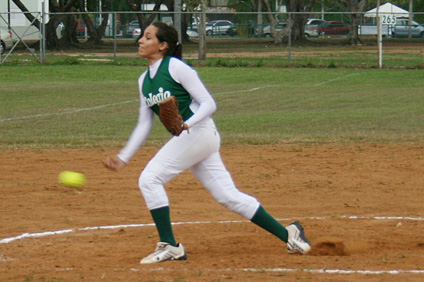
(6, 41)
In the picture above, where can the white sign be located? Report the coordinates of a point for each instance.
(388, 19)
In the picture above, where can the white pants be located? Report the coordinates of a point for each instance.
(199, 152)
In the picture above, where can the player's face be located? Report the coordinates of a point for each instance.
(149, 46)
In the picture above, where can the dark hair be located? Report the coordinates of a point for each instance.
(167, 33)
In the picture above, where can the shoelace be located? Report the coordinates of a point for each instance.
(159, 249)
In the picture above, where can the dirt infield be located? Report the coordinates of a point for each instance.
(361, 206)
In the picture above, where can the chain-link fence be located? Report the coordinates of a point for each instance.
(114, 35)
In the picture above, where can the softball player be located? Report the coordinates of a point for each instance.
(197, 148)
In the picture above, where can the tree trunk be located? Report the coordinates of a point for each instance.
(299, 20)
(273, 19)
(355, 18)
(296, 21)
(95, 33)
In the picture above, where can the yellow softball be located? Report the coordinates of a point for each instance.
(72, 179)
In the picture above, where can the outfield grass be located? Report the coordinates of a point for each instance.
(97, 105)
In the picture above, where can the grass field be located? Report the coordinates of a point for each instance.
(97, 105)
(254, 52)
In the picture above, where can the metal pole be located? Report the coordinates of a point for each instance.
(379, 37)
(114, 35)
(202, 32)
(177, 18)
(8, 14)
(43, 33)
(410, 20)
(290, 33)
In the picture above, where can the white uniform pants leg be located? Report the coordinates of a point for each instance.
(212, 173)
(198, 150)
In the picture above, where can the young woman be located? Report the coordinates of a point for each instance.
(197, 148)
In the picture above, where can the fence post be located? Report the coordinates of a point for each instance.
(114, 35)
(379, 37)
(290, 35)
(43, 33)
(177, 18)
(202, 33)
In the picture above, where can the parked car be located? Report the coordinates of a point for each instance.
(401, 29)
(311, 27)
(131, 26)
(136, 32)
(332, 27)
(192, 33)
(311, 31)
(6, 41)
(218, 27)
(267, 29)
(314, 22)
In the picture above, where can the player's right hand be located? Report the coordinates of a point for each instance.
(113, 163)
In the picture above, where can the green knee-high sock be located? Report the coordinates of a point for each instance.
(267, 222)
(162, 220)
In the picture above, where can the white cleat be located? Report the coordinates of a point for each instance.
(297, 242)
(164, 252)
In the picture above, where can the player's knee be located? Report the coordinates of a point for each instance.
(147, 181)
(229, 203)
(241, 204)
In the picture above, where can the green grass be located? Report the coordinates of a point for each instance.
(95, 105)
(231, 52)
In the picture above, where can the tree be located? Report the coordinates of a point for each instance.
(95, 33)
(299, 20)
(356, 7)
(296, 22)
(274, 19)
(144, 19)
(190, 8)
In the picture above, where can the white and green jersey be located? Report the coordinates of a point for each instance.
(168, 76)
(161, 86)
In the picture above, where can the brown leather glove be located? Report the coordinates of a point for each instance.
(170, 116)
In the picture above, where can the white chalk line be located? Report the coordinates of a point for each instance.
(334, 79)
(67, 112)
(309, 270)
(113, 104)
(65, 231)
(282, 270)
(335, 271)
(245, 90)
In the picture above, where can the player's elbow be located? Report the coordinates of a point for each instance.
(213, 107)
